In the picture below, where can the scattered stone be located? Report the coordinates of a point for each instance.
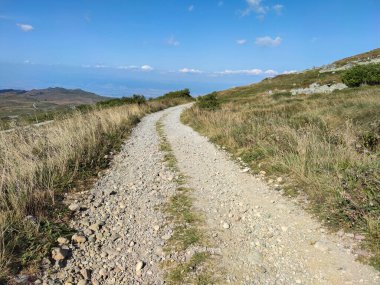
(74, 207)
(78, 238)
(59, 253)
(245, 170)
(226, 225)
(139, 266)
(62, 241)
(86, 273)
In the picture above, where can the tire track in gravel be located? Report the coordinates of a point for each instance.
(264, 237)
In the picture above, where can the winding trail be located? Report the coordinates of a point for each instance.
(263, 237)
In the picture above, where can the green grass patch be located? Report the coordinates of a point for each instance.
(187, 227)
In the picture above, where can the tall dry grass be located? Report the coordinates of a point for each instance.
(327, 147)
(37, 164)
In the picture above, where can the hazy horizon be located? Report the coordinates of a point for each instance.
(118, 48)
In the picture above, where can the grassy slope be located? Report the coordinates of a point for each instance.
(16, 103)
(325, 145)
(39, 165)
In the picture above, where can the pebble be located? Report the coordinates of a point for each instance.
(74, 207)
(78, 238)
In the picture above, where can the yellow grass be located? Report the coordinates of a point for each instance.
(36, 164)
(327, 147)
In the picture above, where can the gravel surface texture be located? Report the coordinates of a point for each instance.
(263, 237)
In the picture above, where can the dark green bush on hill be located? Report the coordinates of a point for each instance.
(362, 74)
(135, 99)
(208, 102)
(184, 93)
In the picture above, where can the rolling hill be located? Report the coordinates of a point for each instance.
(22, 102)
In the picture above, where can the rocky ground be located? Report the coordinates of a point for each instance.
(262, 237)
(120, 228)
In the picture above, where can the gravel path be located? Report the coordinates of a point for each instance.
(264, 238)
(120, 227)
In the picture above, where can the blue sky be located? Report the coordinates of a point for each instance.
(121, 47)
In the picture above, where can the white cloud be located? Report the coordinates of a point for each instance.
(189, 70)
(255, 6)
(128, 67)
(271, 72)
(25, 27)
(254, 71)
(191, 8)
(146, 68)
(100, 66)
(289, 71)
(242, 71)
(172, 41)
(136, 68)
(278, 8)
(268, 41)
(241, 42)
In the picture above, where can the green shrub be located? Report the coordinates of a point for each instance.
(209, 102)
(362, 74)
(184, 93)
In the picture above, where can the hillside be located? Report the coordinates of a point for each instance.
(21, 102)
(320, 136)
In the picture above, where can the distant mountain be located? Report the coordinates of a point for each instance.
(16, 102)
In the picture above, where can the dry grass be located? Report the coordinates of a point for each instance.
(38, 165)
(327, 147)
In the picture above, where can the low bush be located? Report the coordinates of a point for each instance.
(135, 99)
(184, 93)
(208, 102)
(362, 74)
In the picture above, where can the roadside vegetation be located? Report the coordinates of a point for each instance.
(187, 232)
(325, 146)
(39, 165)
(28, 117)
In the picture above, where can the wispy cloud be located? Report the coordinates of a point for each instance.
(220, 3)
(267, 41)
(191, 8)
(278, 8)
(172, 41)
(25, 27)
(289, 71)
(146, 68)
(255, 6)
(190, 70)
(241, 42)
(135, 67)
(260, 9)
(254, 71)
(271, 72)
